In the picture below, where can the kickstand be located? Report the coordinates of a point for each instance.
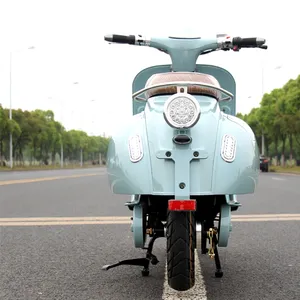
(219, 272)
(204, 250)
(144, 262)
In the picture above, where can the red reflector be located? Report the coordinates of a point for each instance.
(182, 205)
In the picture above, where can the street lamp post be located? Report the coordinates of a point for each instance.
(62, 143)
(61, 137)
(10, 106)
(100, 155)
(262, 95)
(10, 113)
(92, 118)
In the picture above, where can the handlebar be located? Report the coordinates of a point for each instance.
(121, 39)
(127, 39)
(184, 52)
(236, 43)
(224, 42)
(248, 42)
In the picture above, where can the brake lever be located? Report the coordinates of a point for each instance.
(208, 51)
(265, 47)
(236, 48)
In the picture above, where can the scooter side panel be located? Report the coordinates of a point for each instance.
(126, 177)
(241, 175)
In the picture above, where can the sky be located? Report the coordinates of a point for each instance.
(86, 82)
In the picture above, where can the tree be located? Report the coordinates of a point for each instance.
(38, 136)
(278, 117)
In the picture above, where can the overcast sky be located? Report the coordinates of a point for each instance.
(69, 47)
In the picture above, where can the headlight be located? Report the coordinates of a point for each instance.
(182, 111)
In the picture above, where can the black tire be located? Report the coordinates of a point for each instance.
(181, 244)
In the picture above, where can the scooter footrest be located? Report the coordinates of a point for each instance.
(106, 267)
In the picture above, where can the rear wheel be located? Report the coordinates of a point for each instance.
(181, 244)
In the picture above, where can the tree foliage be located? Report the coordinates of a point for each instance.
(38, 137)
(278, 119)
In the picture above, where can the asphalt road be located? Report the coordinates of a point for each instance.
(262, 260)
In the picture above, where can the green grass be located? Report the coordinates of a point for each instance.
(279, 169)
(55, 167)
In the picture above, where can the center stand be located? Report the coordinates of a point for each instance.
(144, 262)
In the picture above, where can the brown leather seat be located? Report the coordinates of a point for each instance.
(182, 76)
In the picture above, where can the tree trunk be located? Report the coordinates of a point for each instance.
(34, 152)
(291, 146)
(276, 145)
(52, 157)
(1, 152)
(41, 155)
(21, 157)
(276, 149)
(267, 145)
(283, 139)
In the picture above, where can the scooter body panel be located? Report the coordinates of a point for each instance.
(209, 174)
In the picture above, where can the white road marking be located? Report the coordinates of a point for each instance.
(266, 219)
(106, 220)
(63, 223)
(197, 292)
(32, 180)
(198, 227)
(66, 219)
(278, 178)
(265, 216)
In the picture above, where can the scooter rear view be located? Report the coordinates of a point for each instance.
(183, 156)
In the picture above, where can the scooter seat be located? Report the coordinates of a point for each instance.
(182, 76)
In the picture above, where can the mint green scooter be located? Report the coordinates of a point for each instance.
(184, 156)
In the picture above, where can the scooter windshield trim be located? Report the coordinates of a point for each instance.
(136, 95)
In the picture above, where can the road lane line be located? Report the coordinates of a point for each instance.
(62, 223)
(197, 292)
(49, 219)
(265, 216)
(106, 220)
(30, 180)
(278, 178)
(120, 222)
(117, 218)
(266, 219)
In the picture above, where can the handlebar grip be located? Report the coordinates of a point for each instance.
(120, 39)
(247, 42)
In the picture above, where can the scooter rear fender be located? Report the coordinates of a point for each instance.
(207, 174)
